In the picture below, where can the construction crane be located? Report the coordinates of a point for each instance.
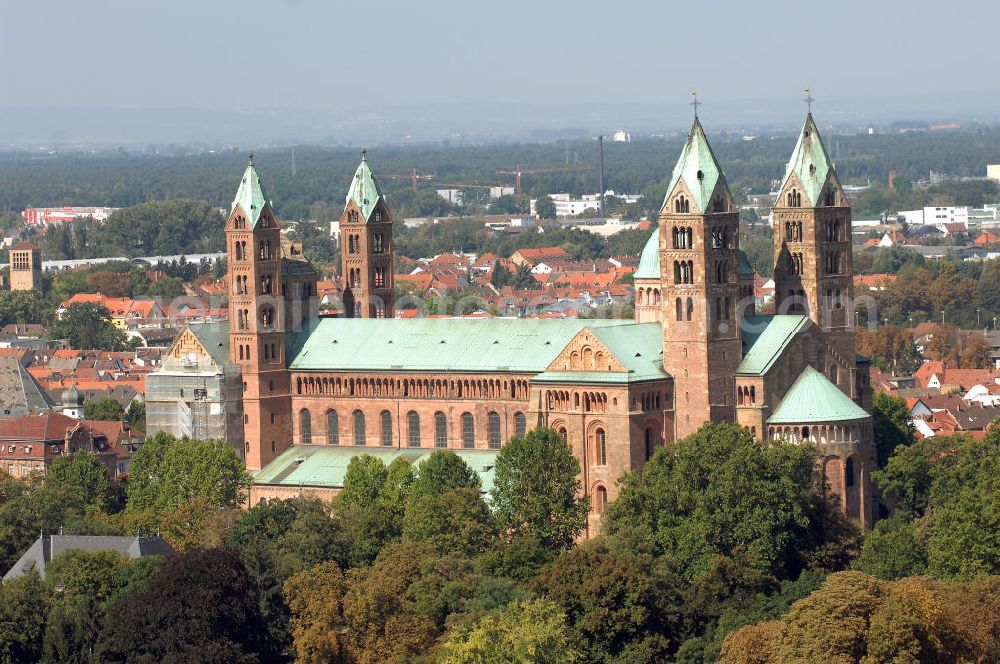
(518, 172)
(412, 176)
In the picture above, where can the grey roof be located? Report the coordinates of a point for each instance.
(215, 338)
(123, 394)
(20, 393)
(47, 547)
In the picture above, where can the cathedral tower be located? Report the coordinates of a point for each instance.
(812, 242)
(699, 264)
(257, 319)
(366, 248)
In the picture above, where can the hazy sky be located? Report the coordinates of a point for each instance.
(325, 54)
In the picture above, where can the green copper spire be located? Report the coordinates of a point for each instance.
(251, 196)
(699, 170)
(810, 162)
(364, 190)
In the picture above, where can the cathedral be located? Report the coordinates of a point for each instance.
(303, 394)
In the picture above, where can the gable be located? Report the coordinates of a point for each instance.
(188, 346)
(585, 352)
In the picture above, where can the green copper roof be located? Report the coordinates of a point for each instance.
(813, 398)
(440, 344)
(810, 162)
(745, 268)
(251, 196)
(697, 158)
(364, 190)
(649, 260)
(325, 465)
(764, 338)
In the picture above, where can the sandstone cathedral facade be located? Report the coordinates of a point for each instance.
(317, 391)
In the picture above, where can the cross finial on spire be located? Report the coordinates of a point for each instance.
(364, 154)
(251, 156)
(809, 99)
(695, 103)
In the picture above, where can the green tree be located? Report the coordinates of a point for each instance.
(892, 550)
(135, 415)
(89, 574)
(536, 490)
(533, 632)
(71, 629)
(167, 472)
(89, 326)
(442, 471)
(198, 606)
(23, 307)
(545, 208)
(363, 482)
(506, 204)
(103, 409)
(626, 606)
(523, 279)
(278, 539)
(85, 477)
(24, 603)
(892, 425)
(456, 521)
(721, 492)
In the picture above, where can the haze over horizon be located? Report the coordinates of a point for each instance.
(313, 71)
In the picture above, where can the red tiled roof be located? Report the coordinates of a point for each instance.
(874, 280)
(47, 426)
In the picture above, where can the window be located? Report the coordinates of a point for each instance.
(378, 243)
(413, 429)
(380, 277)
(440, 430)
(468, 431)
(267, 317)
(305, 427)
(649, 443)
(690, 308)
(520, 424)
(494, 431)
(332, 428)
(849, 472)
(359, 428)
(680, 309)
(386, 421)
(600, 499)
(601, 447)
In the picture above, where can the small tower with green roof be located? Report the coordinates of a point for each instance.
(817, 412)
(812, 242)
(366, 248)
(699, 268)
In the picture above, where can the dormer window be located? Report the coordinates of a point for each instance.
(378, 216)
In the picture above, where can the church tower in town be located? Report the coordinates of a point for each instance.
(812, 243)
(366, 248)
(257, 319)
(699, 263)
